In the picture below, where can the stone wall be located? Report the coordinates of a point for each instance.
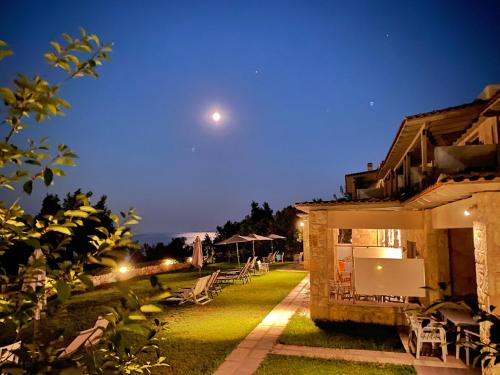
(113, 277)
(319, 241)
(365, 237)
(377, 314)
(432, 246)
(486, 225)
(305, 244)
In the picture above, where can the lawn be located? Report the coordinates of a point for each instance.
(198, 338)
(301, 330)
(278, 365)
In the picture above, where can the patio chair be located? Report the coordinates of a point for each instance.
(87, 338)
(262, 267)
(242, 276)
(427, 330)
(297, 258)
(8, 353)
(196, 293)
(344, 282)
(468, 342)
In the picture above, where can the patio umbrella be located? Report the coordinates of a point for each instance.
(273, 237)
(197, 258)
(256, 237)
(235, 239)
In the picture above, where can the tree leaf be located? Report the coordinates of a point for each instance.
(28, 187)
(63, 290)
(8, 94)
(87, 280)
(150, 309)
(48, 176)
(59, 229)
(5, 52)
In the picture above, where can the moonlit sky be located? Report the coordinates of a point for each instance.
(307, 91)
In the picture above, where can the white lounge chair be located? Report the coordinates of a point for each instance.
(7, 353)
(87, 338)
(196, 293)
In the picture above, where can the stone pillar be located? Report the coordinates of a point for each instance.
(318, 264)
(305, 244)
(486, 224)
(435, 253)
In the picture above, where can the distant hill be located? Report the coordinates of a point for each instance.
(153, 238)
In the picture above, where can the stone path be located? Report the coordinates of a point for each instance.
(248, 355)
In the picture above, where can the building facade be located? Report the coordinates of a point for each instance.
(428, 214)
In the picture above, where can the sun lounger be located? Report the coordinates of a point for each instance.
(212, 287)
(242, 275)
(88, 338)
(7, 353)
(196, 293)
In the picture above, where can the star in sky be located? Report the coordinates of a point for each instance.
(372, 103)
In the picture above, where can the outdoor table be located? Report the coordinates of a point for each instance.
(459, 318)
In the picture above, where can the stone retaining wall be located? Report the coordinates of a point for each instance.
(113, 277)
(386, 315)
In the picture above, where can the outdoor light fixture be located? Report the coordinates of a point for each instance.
(123, 269)
(302, 224)
(468, 211)
(189, 259)
(169, 262)
(379, 267)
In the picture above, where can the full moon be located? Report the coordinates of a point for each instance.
(216, 116)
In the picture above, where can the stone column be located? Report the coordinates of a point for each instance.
(486, 224)
(435, 253)
(305, 244)
(318, 264)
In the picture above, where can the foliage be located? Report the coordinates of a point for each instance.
(78, 244)
(196, 340)
(59, 234)
(177, 249)
(488, 350)
(262, 220)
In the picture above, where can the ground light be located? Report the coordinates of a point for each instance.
(123, 269)
(169, 262)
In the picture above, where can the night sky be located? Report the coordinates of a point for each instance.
(308, 91)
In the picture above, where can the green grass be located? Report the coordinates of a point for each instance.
(198, 338)
(301, 330)
(279, 365)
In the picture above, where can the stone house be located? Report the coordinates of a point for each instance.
(429, 214)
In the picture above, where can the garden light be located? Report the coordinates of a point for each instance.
(169, 262)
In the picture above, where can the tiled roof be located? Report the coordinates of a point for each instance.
(349, 201)
(447, 109)
(469, 177)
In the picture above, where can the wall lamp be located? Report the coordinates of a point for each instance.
(470, 210)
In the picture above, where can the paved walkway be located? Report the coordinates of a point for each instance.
(248, 355)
